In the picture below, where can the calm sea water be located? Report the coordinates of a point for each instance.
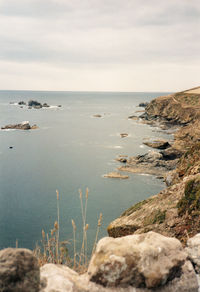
(71, 150)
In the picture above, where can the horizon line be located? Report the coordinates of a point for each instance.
(97, 91)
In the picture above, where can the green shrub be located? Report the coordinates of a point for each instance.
(191, 199)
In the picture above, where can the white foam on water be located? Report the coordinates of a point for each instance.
(113, 147)
(53, 107)
(142, 146)
(7, 130)
(117, 147)
(144, 174)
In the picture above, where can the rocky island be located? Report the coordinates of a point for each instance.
(22, 126)
(34, 104)
(175, 211)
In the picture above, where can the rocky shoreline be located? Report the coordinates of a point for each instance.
(178, 164)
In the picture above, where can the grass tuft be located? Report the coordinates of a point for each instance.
(55, 251)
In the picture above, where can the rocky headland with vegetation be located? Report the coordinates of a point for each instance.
(175, 211)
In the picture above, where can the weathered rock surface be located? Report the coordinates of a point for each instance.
(153, 162)
(23, 126)
(19, 271)
(57, 278)
(147, 260)
(193, 250)
(136, 263)
(158, 144)
(173, 109)
(116, 175)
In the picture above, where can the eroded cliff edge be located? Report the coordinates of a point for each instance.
(175, 211)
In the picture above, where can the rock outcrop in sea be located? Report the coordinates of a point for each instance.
(175, 211)
(22, 126)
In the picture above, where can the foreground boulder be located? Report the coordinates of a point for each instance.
(19, 271)
(193, 250)
(147, 260)
(137, 263)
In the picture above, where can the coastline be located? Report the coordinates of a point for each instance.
(178, 165)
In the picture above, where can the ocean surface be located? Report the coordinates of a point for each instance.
(71, 150)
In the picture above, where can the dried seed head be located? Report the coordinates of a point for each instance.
(80, 193)
(57, 193)
(100, 219)
(86, 227)
(73, 224)
(43, 234)
(56, 225)
(86, 194)
(52, 231)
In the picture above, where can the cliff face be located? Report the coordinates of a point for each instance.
(175, 211)
(178, 108)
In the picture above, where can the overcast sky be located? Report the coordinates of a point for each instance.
(106, 45)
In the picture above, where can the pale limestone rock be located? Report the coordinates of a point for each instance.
(145, 260)
(57, 278)
(193, 250)
(19, 271)
(152, 253)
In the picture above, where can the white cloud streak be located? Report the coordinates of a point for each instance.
(89, 40)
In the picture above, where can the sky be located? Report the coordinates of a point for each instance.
(99, 45)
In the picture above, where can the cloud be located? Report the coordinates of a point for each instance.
(101, 35)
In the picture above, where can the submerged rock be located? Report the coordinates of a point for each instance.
(97, 116)
(123, 135)
(116, 175)
(143, 104)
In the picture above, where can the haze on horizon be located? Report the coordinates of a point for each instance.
(92, 45)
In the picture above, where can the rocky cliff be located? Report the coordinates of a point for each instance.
(175, 211)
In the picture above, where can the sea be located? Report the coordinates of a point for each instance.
(70, 151)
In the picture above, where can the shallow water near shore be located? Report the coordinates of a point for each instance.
(71, 150)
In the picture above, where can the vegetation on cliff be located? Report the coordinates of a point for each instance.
(175, 211)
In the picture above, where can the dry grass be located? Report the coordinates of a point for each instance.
(52, 250)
